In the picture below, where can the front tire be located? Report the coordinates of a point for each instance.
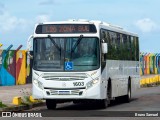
(51, 104)
(104, 103)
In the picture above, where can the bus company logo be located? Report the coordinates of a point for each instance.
(63, 84)
(6, 114)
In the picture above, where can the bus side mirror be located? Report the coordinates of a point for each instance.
(104, 48)
(29, 46)
(29, 55)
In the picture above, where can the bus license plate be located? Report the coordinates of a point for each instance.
(64, 92)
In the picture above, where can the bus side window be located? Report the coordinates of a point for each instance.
(137, 49)
(121, 48)
(132, 48)
(118, 43)
(125, 55)
(104, 36)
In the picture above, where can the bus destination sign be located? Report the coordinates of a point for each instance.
(65, 28)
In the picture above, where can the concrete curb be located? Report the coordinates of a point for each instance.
(21, 107)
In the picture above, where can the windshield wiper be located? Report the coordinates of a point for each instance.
(53, 41)
(76, 44)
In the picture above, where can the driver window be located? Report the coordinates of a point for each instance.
(86, 48)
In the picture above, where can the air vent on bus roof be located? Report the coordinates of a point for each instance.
(72, 20)
(83, 20)
(115, 26)
(97, 21)
(111, 25)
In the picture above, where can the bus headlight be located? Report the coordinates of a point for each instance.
(91, 83)
(38, 83)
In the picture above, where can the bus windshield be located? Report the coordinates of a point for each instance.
(55, 54)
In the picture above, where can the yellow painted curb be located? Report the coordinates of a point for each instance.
(148, 80)
(17, 100)
(143, 82)
(32, 99)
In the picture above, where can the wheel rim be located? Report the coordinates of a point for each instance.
(105, 103)
(129, 93)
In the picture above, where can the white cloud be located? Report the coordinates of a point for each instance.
(9, 22)
(2, 7)
(42, 18)
(47, 2)
(60, 2)
(146, 25)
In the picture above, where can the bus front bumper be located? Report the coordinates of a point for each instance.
(93, 92)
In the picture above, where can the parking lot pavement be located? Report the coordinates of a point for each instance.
(8, 92)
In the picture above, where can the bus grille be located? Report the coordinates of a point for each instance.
(64, 76)
(71, 92)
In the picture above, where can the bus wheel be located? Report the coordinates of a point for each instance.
(51, 104)
(103, 103)
(76, 102)
(127, 98)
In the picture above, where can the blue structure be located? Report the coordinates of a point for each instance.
(6, 79)
(142, 63)
(0, 67)
(158, 63)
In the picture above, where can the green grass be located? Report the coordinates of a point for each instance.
(2, 105)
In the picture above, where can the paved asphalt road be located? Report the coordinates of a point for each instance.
(145, 100)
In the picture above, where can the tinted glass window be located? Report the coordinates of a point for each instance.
(121, 46)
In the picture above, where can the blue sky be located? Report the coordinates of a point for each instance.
(18, 17)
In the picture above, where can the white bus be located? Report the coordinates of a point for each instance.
(83, 61)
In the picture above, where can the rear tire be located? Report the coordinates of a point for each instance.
(51, 104)
(76, 102)
(127, 98)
